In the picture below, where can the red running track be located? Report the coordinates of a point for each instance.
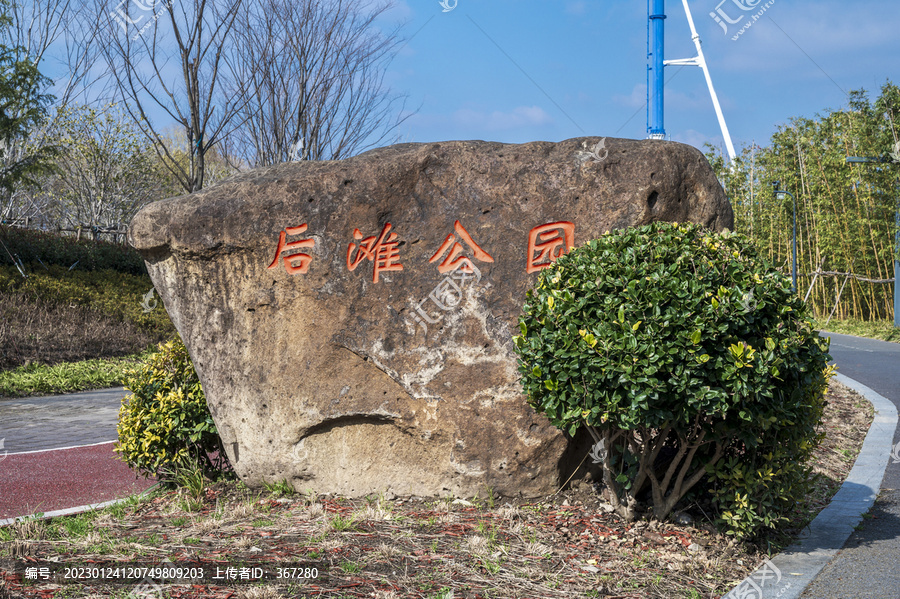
(60, 479)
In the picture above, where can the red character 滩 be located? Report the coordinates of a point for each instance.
(384, 251)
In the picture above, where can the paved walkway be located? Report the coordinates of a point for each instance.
(37, 423)
(57, 453)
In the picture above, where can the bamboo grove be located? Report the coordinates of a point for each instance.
(845, 212)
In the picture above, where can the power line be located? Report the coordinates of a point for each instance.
(808, 56)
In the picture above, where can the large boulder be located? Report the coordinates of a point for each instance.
(351, 321)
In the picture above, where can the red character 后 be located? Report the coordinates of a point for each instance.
(453, 259)
(293, 263)
(549, 241)
(384, 251)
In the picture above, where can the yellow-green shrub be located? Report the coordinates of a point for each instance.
(166, 422)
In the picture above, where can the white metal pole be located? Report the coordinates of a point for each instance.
(701, 61)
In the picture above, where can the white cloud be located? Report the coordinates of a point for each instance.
(399, 10)
(674, 100)
(638, 97)
(521, 116)
(581, 98)
(397, 14)
(788, 38)
(576, 8)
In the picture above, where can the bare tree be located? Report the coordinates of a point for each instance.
(312, 72)
(167, 59)
(217, 165)
(33, 36)
(37, 25)
(106, 173)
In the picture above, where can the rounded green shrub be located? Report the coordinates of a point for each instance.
(688, 358)
(165, 423)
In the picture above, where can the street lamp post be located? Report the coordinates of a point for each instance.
(877, 160)
(779, 195)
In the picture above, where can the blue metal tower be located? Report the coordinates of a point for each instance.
(656, 15)
(656, 10)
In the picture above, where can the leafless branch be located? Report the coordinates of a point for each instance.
(142, 51)
(313, 71)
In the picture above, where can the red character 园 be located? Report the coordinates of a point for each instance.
(548, 242)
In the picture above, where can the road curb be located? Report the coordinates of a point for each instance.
(31, 451)
(75, 510)
(788, 574)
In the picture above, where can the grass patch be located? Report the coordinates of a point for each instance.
(281, 488)
(80, 305)
(41, 379)
(566, 545)
(876, 329)
(263, 522)
(79, 525)
(341, 524)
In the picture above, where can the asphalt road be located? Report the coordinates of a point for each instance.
(876, 364)
(56, 421)
(868, 567)
(57, 453)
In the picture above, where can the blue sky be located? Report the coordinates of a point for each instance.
(523, 70)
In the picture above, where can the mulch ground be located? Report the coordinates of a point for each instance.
(567, 545)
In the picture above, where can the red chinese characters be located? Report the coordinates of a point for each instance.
(548, 242)
(456, 257)
(297, 263)
(383, 250)
(454, 261)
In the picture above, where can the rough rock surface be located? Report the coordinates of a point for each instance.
(379, 356)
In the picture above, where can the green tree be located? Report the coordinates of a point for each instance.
(23, 110)
(106, 172)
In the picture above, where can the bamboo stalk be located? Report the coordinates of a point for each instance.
(837, 300)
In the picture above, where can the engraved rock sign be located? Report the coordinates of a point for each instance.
(351, 320)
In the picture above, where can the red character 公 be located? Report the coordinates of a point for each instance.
(291, 264)
(549, 241)
(453, 259)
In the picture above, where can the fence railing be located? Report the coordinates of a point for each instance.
(117, 233)
(847, 276)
